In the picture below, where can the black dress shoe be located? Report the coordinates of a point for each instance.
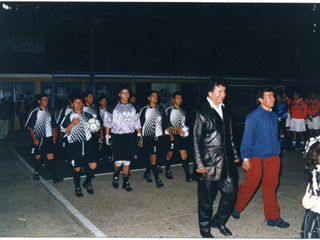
(207, 235)
(222, 228)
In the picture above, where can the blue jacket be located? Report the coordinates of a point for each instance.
(260, 137)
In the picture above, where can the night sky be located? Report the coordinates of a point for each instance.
(272, 41)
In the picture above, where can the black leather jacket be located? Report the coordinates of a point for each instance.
(214, 145)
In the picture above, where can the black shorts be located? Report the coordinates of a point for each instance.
(282, 124)
(46, 146)
(124, 147)
(80, 153)
(152, 145)
(179, 143)
(64, 143)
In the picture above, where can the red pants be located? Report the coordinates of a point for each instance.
(270, 179)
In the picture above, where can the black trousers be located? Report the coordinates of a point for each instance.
(207, 192)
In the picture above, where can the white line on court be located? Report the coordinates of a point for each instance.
(64, 201)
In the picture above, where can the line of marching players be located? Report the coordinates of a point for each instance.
(124, 128)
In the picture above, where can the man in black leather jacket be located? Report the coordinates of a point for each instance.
(215, 157)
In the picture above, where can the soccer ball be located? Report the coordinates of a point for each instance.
(93, 124)
(186, 131)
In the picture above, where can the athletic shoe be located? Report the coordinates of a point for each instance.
(57, 179)
(88, 186)
(189, 178)
(43, 166)
(78, 192)
(159, 169)
(36, 176)
(147, 177)
(169, 175)
(159, 183)
(277, 223)
(235, 214)
(115, 182)
(127, 187)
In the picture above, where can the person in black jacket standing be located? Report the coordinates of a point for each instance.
(215, 157)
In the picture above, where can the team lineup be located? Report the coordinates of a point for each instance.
(89, 134)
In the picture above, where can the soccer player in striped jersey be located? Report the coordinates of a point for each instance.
(153, 123)
(177, 139)
(80, 143)
(63, 112)
(121, 121)
(42, 125)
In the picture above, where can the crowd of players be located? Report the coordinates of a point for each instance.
(124, 128)
(295, 117)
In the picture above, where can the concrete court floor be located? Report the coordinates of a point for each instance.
(31, 208)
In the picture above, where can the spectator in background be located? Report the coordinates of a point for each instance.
(12, 107)
(22, 111)
(4, 119)
(133, 100)
(35, 102)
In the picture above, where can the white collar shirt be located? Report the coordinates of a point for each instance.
(218, 109)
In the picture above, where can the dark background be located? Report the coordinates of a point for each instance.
(273, 41)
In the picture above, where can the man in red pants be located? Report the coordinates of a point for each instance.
(260, 149)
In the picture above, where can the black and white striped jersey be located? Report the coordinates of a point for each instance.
(153, 121)
(93, 111)
(79, 132)
(42, 122)
(63, 112)
(122, 118)
(176, 118)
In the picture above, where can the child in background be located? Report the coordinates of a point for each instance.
(311, 223)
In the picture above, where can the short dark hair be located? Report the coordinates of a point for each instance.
(175, 94)
(76, 96)
(133, 95)
(3, 100)
(152, 92)
(214, 82)
(262, 91)
(86, 94)
(102, 97)
(70, 97)
(42, 95)
(123, 87)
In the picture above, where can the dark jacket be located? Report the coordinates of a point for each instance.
(213, 143)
